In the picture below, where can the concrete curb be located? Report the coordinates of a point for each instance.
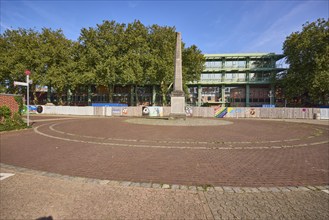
(165, 186)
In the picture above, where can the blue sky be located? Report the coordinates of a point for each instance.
(214, 26)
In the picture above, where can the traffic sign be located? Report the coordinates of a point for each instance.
(27, 72)
(20, 83)
(28, 81)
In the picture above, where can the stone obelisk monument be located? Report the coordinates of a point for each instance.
(178, 96)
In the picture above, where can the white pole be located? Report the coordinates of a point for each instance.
(28, 100)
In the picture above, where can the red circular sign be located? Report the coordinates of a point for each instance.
(27, 72)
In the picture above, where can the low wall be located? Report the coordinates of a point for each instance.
(205, 112)
(9, 100)
(69, 110)
(324, 113)
(275, 113)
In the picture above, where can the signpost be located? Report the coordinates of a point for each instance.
(27, 73)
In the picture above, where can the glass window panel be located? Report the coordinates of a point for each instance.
(228, 77)
(241, 64)
(228, 64)
(241, 76)
(204, 76)
(213, 64)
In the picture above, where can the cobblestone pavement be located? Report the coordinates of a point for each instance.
(106, 168)
(269, 205)
(34, 194)
(250, 153)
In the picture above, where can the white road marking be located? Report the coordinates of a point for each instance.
(5, 175)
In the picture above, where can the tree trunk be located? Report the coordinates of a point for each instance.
(69, 94)
(35, 98)
(60, 99)
(49, 94)
(131, 95)
(89, 95)
(164, 99)
(163, 93)
(111, 91)
(153, 95)
(136, 95)
(323, 98)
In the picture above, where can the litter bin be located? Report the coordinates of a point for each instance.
(316, 116)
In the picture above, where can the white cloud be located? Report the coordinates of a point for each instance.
(39, 11)
(274, 36)
(47, 14)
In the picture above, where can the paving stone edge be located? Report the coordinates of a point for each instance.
(196, 188)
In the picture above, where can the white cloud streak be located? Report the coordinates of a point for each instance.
(274, 36)
(49, 16)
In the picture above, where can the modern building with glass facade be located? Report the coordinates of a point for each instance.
(237, 80)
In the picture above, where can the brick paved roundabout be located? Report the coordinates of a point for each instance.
(209, 169)
(236, 153)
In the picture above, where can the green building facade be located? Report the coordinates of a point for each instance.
(237, 80)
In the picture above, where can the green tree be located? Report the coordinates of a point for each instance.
(18, 52)
(162, 44)
(193, 62)
(320, 84)
(136, 63)
(106, 55)
(100, 49)
(48, 55)
(88, 57)
(307, 53)
(57, 65)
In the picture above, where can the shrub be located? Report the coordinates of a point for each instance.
(10, 123)
(5, 112)
(20, 103)
(17, 118)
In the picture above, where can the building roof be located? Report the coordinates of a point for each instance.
(244, 55)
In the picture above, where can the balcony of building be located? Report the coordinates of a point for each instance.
(251, 68)
(254, 62)
(234, 78)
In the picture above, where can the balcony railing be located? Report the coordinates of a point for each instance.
(242, 68)
(232, 81)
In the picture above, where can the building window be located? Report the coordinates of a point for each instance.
(242, 64)
(213, 64)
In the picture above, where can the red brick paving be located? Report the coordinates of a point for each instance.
(244, 167)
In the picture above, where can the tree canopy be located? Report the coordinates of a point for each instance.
(108, 54)
(47, 54)
(307, 53)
